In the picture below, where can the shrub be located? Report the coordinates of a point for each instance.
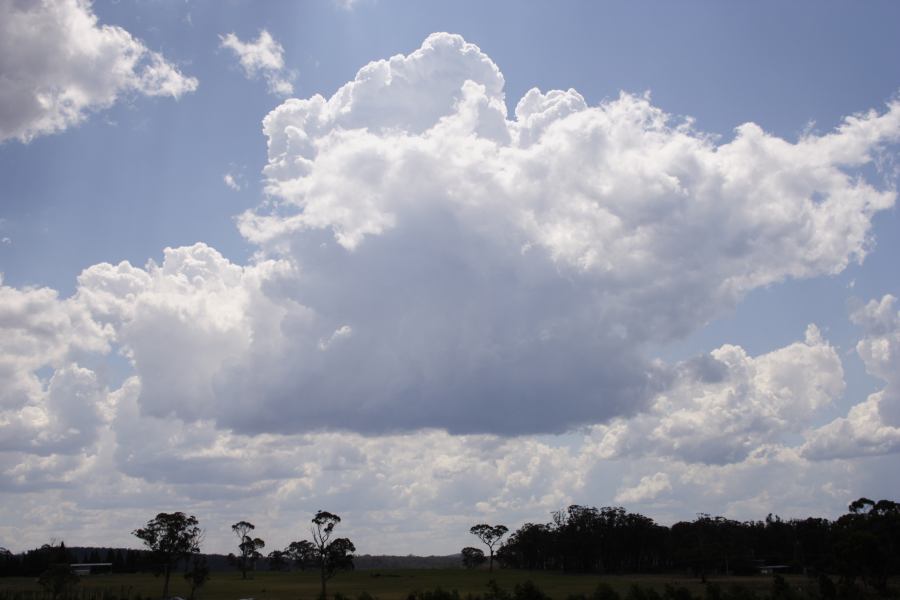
(495, 592)
(605, 591)
(739, 592)
(713, 592)
(677, 593)
(58, 580)
(435, 594)
(528, 591)
(637, 592)
(827, 589)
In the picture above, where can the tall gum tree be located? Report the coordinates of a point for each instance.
(331, 553)
(490, 536)
(171, 537)
(248, 546)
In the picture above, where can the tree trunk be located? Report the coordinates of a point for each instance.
(166, 581)
(324, 596)
(491, 562)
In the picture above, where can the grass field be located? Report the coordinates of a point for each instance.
(385, 584)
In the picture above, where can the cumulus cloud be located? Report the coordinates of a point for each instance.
(421, 489)
(428, 262)
(649, 488)
(449, 277)
(418, 491)
(213, 313)
(263, 57)
(568, 231)
(242, 332)
(48, 403)
(723, 406)
(58, 64)
(872, 426)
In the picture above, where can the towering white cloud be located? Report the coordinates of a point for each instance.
(872, 426)
(57, 64)
(263, 57)
(212, 314)
(434, 264)
(487, 264)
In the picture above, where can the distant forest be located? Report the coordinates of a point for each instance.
(862, 545)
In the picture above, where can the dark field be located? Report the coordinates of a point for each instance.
(384, 584)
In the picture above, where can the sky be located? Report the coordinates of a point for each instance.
(426, 265)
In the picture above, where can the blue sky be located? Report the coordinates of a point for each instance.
(424, 308)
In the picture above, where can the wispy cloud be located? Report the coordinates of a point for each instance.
(262, 58)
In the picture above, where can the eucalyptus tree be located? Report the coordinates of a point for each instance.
(171, 537)
(490, 536)
(472, 557)
(248, 546)
(329, 552)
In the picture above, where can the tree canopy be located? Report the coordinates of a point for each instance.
(490, 536)
(248, 547)
(329, 553)
(171, 537)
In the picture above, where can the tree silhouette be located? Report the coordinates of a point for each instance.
(472, 557)
(197, 575)
(867, 542)
(278, 560)
(330, 554)
(489, 535)
(249, 547)
(303, 554)
(171, 537)
(58, 580)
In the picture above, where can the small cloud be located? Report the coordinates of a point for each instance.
(232, 182)
(649, 488)
(6, 241)
(263, 57)
(342, 332)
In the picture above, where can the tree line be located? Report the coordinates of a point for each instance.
(173, 540)
(862, 545)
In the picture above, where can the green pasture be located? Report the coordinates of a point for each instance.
(384, 584)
